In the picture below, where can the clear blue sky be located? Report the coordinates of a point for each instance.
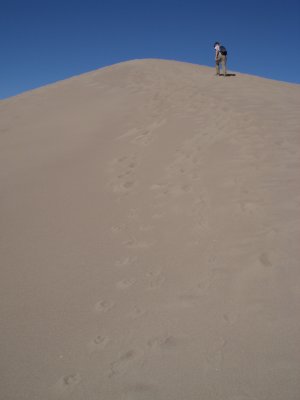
(44, 41)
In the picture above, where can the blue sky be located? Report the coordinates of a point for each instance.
(45, 41)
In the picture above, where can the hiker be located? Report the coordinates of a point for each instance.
(221, 58)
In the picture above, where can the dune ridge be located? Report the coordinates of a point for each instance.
(150, 237)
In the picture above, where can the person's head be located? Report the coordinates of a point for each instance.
(216, 44)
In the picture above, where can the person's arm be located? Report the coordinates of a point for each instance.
(217, 53)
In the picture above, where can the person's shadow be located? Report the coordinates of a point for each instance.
(228, 74)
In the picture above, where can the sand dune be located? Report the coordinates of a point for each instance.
(150, 217)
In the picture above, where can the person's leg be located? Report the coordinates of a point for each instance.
(224, 62)
(218, 67)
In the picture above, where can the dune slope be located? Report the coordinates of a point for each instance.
(150, 217)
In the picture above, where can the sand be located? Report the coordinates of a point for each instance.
(150, 230)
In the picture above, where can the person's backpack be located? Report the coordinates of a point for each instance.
(223, 51)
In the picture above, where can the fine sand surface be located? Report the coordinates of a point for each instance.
(150, 231)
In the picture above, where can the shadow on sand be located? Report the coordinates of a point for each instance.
(228, 75)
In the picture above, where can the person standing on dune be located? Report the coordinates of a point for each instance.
(220, 58)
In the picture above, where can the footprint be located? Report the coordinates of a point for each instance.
(113, 164)
(67, 384)
(135, 244)
(249, 207)
(121, 170)
(126, 283)
(142, 134)
(146, 228)
(122, 159)
(140, 391)
(117, 228)
(4, 130)
(264, 259)
(137, 312)
(133, 214)
(161, 196)
(156, 280)
(231, 317)
(132, 165)
(158, 186)
(124, 362)
(128, 134)
(162, 342)
(144, 138)
(157, 216)
(123, 187)
(212, 258)
(98, 344)
(121, 176)
(189, 297)
(128, 184)
(180, 190)
(104, 306)
(126, 261)
(124, 163)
